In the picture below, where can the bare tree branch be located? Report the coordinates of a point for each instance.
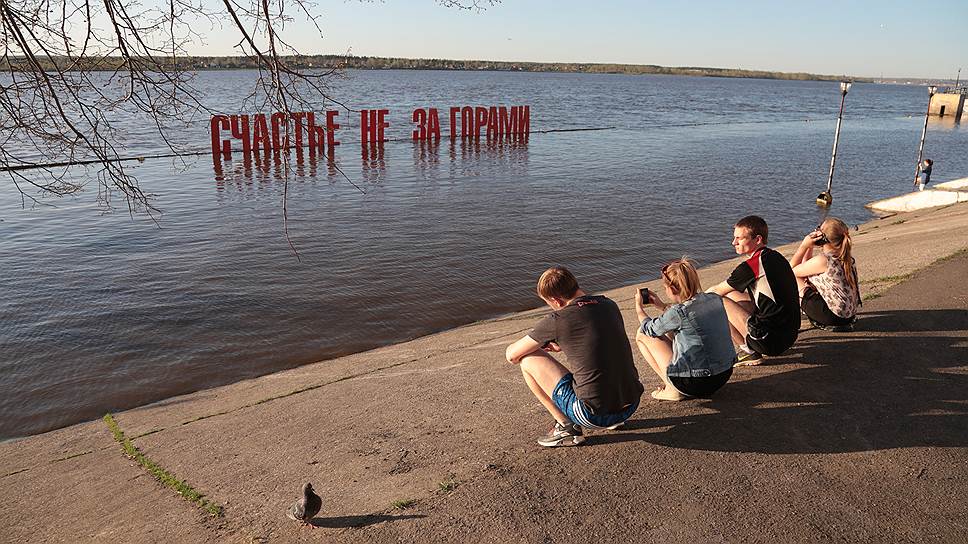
(71, 69)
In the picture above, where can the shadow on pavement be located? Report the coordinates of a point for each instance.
(906, 321)
(359, 521)
(858, 393)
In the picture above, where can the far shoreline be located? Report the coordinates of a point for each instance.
(352, 62)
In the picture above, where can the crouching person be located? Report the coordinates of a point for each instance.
(602, 389)
(760, 296)
(699, 357)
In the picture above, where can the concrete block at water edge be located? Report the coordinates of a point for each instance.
(953, 185)
(944, 194)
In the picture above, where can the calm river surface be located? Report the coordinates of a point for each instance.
(104, 311)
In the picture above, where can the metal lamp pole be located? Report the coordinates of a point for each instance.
(826, 198)
(931, 90)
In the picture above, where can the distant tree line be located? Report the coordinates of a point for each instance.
(342, 62)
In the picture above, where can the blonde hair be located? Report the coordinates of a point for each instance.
(557, 282)
(681, 278)
(838, 233)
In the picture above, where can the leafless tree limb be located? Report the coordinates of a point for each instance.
(69, 69)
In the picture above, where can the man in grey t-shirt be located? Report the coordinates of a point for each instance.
(602, 390)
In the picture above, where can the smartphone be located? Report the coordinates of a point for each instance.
(823, 238)
(645, 295)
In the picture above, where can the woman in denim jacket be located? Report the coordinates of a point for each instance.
(688, 346)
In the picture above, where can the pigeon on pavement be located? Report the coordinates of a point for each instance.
(307, 507)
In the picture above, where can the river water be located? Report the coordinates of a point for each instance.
(101, 310)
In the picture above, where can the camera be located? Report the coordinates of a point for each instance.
(644, 293)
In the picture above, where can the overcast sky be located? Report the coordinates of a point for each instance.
(862, 38)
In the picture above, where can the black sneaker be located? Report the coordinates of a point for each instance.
(567, 434)
(746, 358)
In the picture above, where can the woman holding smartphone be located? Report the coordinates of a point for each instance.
(829, 292)
(688, 346)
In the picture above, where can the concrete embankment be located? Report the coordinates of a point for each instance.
(858, 436)
(942, 194)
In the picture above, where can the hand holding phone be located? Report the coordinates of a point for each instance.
(644, 293)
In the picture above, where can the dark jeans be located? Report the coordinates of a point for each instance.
(817, 310)
(701, 387)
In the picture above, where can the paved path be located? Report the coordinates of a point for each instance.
(860, 437)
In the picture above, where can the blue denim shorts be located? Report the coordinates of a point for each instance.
(568, 402)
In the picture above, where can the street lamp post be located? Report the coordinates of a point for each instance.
(826, 198)
(931, 90)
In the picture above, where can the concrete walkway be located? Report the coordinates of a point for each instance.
(860, 436)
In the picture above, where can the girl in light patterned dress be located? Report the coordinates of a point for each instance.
(829, 292)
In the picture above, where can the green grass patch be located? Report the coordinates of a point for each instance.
(891, 279)
(956, 254)
(166, 478)
(903, 277)
(447, 486)
(402, 504)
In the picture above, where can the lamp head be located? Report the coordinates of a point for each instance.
(932, 89)
(845, 86)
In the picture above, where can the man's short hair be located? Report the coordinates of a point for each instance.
(557, 282)
(756, 225)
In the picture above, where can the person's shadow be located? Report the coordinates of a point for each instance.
(343, 522)
(871, 389)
